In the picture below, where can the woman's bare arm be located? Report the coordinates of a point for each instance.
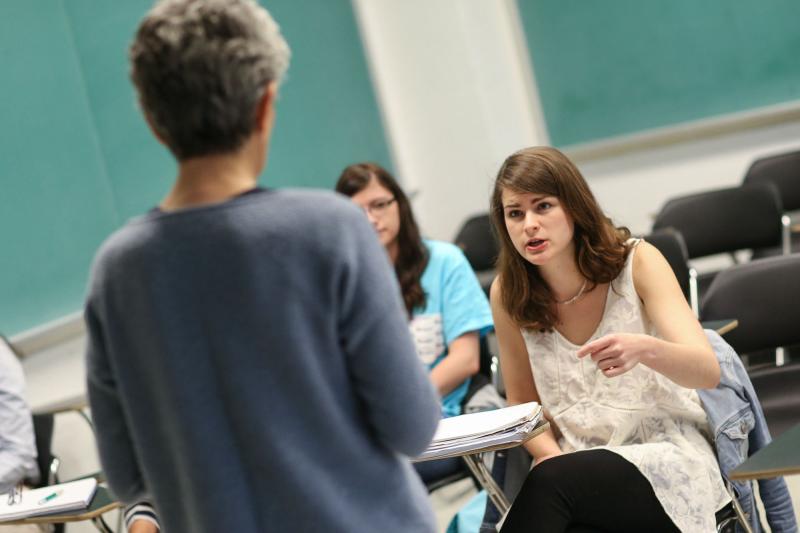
(517, 373)
(461, 362)
(682, 354)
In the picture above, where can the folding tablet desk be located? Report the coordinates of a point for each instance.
(780, 457)
(100, 504)
(482, 474)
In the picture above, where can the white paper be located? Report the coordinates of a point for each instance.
(484, 423)
(470, 433)
(512, 436)
(68, 497)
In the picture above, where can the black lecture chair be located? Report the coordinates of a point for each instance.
(480, 380)
(783, 171)
(43, 427)
(670, 243)
(462, 470)
(476, 239)
(724, 221)
(764, 295)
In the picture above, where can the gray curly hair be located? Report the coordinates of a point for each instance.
(201, 66)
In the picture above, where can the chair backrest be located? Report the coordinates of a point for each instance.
(764, 296)
(43, 427)
(777, 389)
(672, 246)
(725, 220)
(783, 171)
(476, 238)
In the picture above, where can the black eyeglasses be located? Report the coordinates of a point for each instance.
(379, 207)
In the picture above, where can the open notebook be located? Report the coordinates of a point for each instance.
(48, 500)
(463, 434)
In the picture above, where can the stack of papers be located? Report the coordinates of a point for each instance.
(471, 433)
(51, 499)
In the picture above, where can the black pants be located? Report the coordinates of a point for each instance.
(592, 491)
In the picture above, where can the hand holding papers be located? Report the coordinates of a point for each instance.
(478, 432)
(51, 499)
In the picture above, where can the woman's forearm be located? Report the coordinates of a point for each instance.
(461, 362)
(543, 446)
(690, 366)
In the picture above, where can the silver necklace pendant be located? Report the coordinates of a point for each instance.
(574, 298)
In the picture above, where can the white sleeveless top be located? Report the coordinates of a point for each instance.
(649, 420)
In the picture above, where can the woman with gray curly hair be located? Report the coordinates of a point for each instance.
(233, 330)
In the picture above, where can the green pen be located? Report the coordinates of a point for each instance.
(50, 497)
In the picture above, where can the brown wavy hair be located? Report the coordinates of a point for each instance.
(412, 255)
(600, 247)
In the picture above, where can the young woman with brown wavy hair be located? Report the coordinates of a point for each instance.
(447, 308)
(593, 325)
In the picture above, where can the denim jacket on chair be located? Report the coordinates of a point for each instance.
(739, 429)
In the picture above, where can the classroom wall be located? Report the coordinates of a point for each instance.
(633, 187)
(454, 94)
(78, 160)
(458, 96)
(659, 65)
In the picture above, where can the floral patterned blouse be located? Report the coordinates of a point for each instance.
(657, 425)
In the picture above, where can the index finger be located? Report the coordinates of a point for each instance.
(594, 346)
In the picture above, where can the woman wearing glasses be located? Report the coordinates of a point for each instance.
(448, 311)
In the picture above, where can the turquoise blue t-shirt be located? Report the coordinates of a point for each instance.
(455, 304)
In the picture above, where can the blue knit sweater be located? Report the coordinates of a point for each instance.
(250, 369)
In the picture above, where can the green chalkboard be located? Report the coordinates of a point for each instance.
(605, 69)
(78, 160)
(56, 203)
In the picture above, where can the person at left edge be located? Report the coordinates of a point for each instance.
(17, 442)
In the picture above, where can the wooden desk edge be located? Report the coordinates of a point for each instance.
(764, 474)
(76, 402)
(730, 326)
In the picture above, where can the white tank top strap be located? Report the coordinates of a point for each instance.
(623, 284)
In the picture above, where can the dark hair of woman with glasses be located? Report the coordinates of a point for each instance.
(403, 240)
(448, 311)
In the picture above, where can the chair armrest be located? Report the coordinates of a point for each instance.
(77, 402)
